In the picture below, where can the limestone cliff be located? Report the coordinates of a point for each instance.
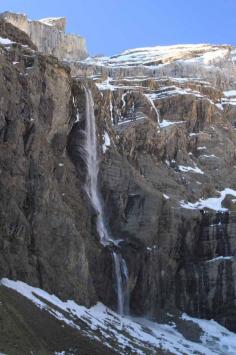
(49, 36)
(166, 137)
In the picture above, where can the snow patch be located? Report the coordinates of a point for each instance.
(152, 57)
(213, 203)
(212, 331)
(166, 123)
(106, 85)
(5, 41)
(186, 169)
(220, 106)
(211, 156)
(230, 93)
(49, 21)
(123, 100)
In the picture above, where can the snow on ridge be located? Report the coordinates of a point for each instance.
(49, 21)
(141, 335)
(162, 55)
(173, 47)
(107, 85)
(210, 56)
(213, 203)
(166, 91)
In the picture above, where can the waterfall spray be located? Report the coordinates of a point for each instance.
(91, 186)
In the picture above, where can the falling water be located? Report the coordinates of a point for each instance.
(91, 186)
(121, 272)
(93, 168)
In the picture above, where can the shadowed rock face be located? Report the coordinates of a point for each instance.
(171, 145)
(44, 220)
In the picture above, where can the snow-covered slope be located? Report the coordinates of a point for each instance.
(214, 63)
(128, 335)
(149, 56)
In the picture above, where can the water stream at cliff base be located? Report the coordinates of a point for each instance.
(91, 187)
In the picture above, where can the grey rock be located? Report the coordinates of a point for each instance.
(49, 36)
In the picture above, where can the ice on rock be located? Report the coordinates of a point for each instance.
(107, 142)
(150, 99)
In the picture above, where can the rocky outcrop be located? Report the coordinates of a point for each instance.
(8, 31)
(48, 35)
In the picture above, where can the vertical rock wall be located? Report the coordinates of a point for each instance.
(49, 36)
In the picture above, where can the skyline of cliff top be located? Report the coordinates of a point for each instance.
(113, 27)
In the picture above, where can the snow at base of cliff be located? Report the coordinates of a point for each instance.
(138, 334)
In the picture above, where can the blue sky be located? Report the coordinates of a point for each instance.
(111, 26)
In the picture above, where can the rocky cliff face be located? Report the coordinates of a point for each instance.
(166, 136)
(168, 180)
(49, 36)
(40, 243)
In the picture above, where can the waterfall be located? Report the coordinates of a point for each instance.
(91, 186)
(121, 272)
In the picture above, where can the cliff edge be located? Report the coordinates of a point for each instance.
(49, 36)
